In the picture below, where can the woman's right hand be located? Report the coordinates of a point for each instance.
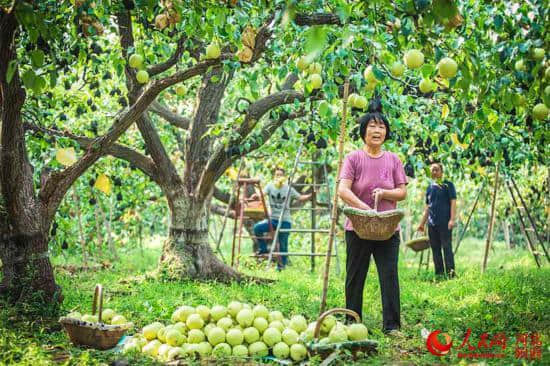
(420, 228)
(365, 207)
(346, 194)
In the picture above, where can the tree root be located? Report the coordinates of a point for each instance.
(198, 262)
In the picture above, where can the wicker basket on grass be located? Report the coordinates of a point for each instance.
(374, 225)
(366, 347)
(418, 244)
(95, 335)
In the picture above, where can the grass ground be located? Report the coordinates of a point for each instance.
(512, 296)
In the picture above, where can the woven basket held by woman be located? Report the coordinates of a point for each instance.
(371, 175)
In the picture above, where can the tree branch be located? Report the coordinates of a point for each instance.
(164, 165)
(163, 66)
(259, 108)
(180, 142)
(173, 118)
(219, 160)
(317, 19)
(220, 210)
(140, 161)
(289, 82)
(262, 36)
(221, 196)
(58, 183)
(124, 21)
(199, 145)
(265, 134)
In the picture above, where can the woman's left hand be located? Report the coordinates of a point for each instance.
(378, 194)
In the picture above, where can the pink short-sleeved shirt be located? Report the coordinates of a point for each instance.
(368, 173)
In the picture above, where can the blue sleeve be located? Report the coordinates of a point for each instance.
(452, 191)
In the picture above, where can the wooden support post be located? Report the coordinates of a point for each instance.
(334, 212)
(109, 229)
(241, 222)
(522, 223)
(236, 221)
(228, 208)
(313, 218)
(80, 228)
(99, 234)
(469, 218)
(506, 231)
(531, 221)
(491, 222)
(548, 216)
(140, 237)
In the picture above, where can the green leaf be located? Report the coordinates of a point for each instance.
(53, 78)
(343, 11)
(28, 79)
(498, 21)
(427, 70)
(316, 39)
(463, 84)
(444, 8)
(37, 58)
(220, 19)
(378, 73)
(11, 70)
(344, 70)
(33, 35)
(524, 47)
(39, 84)
(324, 109)
(407, 27)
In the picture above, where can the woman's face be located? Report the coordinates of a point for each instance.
(376, 133)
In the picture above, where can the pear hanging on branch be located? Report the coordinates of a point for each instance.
(161, 21)
(66, 157)
(248, 38)
(103, 184)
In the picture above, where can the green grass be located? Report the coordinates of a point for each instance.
(510, 297)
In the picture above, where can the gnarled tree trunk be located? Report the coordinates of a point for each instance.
(187, 253)
(6, 262)
(27, 271)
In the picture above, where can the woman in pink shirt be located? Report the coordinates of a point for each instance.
(368, 175)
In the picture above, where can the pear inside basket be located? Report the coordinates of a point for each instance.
(374, 225)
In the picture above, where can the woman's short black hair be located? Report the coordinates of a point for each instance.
(374, 114)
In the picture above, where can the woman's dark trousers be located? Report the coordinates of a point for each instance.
(385, 254)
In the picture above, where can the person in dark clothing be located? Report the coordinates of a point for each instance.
(440, 214)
